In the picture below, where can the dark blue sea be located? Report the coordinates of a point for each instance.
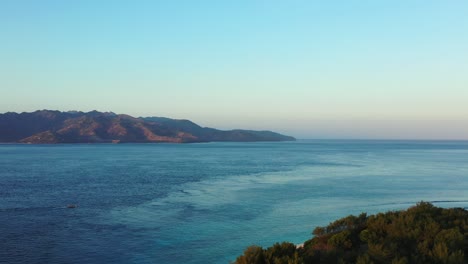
(205, 203)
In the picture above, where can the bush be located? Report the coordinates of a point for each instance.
(422, 234)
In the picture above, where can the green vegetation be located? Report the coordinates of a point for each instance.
(422, 234)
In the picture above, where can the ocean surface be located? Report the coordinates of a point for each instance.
(205, 203)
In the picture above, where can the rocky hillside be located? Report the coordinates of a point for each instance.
(47, 126)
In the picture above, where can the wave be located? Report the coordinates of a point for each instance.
(38, 208)
(415, 202)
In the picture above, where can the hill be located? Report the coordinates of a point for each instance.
(422, 234)
(46, 126)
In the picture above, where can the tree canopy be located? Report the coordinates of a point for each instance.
(421, 234)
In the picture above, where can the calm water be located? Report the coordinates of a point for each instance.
(204, 203)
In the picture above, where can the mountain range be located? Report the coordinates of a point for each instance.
(48, 127)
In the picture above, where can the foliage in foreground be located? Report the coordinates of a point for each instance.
(422, 234)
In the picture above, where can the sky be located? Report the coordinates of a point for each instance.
(390, 69)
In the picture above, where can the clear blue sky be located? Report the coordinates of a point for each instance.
(313, 69)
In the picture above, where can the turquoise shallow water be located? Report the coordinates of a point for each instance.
(204, 203)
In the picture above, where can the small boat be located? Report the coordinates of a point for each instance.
(72, 206)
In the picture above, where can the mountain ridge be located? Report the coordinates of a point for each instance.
(52, 126)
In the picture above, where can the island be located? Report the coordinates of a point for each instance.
(51, 127)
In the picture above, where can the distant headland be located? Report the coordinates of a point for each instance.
(49, 127)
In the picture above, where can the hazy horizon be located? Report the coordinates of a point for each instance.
(357, 70)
